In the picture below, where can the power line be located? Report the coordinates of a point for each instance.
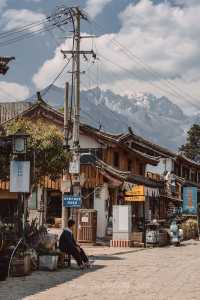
(57, 76)
(154, 84)
(57, 20)
(26, 36)
(23, 28)
(174, 90)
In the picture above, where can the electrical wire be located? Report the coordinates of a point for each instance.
(32, 29)
(26, 36)
(174, 90)
(165, 91)
(57, 76)
(23, 28)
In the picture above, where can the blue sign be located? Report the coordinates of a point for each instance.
(71, 201)
(190, 200)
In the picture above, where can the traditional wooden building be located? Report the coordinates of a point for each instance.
(174, 170)
(108, 167)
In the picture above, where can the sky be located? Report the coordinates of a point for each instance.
(142, 46)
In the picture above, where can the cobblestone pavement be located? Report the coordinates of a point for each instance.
(136, 274)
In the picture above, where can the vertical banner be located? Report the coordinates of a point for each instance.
(190, 200)
(20, 176)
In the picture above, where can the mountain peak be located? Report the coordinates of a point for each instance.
(156, 118)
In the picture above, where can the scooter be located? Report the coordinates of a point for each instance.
(176, 234)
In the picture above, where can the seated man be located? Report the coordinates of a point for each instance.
(68, 244)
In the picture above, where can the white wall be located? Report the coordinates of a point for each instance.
(87, 142)
(100, 205)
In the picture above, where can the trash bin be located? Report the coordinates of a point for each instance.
(87, 226)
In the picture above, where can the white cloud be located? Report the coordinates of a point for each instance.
(164, 36)
(11, 91)
(95, 7)
(13, 18)
(50, 68)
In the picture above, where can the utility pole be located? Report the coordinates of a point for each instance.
(74, 165)
(66, 117)
(74, 168)
(65, 213)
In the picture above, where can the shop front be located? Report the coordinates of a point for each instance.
(141, 202)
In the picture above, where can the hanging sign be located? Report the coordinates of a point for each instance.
(20, 176)
(65, 184)
(71, 201)
(136, 194)
(190, 200)
(74, 165)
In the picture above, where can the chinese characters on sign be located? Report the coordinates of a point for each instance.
(136, 194)
(20, 176)
(71, 201)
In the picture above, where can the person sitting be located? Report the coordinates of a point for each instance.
(68, 245)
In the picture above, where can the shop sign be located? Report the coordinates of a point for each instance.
(190, 200)
(71, 201)
(84, 219)
(136, 194)
(20, 176)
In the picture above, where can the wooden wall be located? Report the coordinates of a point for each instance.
(137, 165)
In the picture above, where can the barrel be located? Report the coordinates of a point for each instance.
(87, 226)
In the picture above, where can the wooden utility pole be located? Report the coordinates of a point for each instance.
(74, 164)
(74, 168)
(66, 115)
(77, 84)
(66, 147)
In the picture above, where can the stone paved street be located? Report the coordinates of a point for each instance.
(151, 274)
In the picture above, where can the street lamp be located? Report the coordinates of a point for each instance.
(19, 142)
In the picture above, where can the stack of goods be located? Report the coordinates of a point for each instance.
(190, 229)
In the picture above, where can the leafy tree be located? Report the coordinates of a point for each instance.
(44, 149)
(192, 147)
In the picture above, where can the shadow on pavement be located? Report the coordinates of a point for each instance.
(105, 257)
(39, 281)
(130, 251)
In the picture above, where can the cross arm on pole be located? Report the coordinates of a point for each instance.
(64, 52)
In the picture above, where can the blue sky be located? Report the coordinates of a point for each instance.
(162, 35)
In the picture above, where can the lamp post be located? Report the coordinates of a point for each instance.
(20, 170)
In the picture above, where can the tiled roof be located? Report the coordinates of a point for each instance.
(121, 175)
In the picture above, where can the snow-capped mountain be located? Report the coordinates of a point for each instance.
(157, 119)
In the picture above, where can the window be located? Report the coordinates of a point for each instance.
(129, 165)
(98, 152)
(116, 159)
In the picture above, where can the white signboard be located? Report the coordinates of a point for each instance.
(20, 176)
(74, 165)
